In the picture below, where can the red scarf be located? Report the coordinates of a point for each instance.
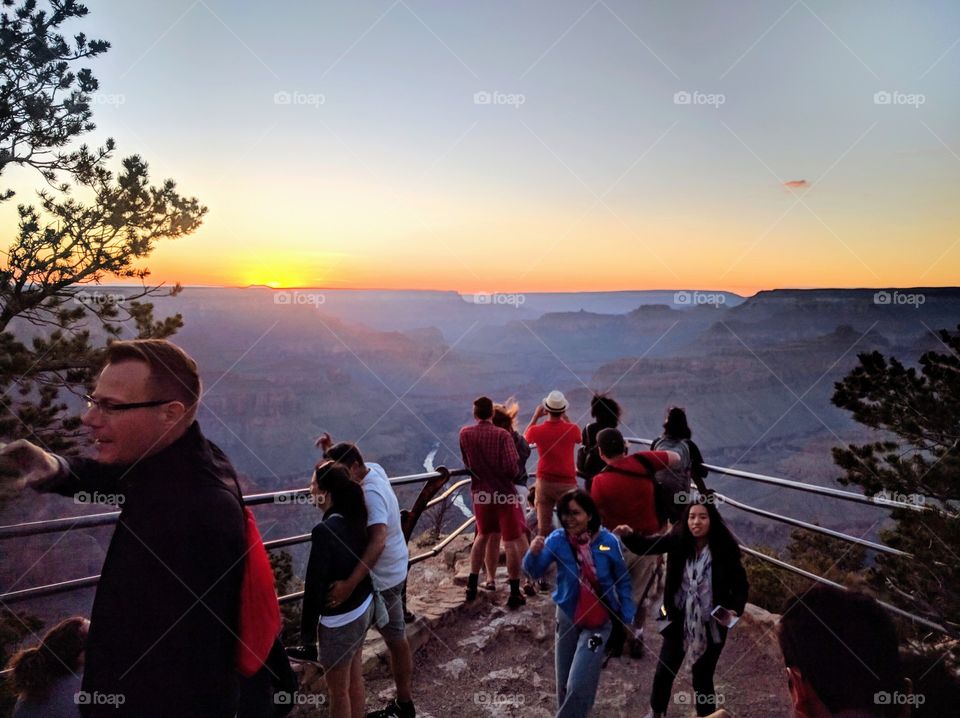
(590, 612)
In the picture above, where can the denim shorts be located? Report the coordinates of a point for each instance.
(337, 645)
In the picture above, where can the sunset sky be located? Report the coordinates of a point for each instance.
(505, 146)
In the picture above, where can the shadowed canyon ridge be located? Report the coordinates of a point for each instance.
(397, 371)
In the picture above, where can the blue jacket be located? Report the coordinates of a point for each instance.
(607, 559)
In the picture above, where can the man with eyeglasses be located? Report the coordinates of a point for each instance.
(163, 627)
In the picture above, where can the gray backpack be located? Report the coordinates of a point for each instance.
(675, 481)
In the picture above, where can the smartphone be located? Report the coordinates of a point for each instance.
(725, 617)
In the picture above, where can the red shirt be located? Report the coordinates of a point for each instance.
(629, 500)
(491, 454)
(555, 442)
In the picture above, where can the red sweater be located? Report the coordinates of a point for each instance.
(555, 442)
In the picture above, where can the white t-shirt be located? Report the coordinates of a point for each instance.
(383, 508)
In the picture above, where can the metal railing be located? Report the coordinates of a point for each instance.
(823, 491)
(288, 496)
(292, 495)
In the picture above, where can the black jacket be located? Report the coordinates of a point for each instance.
(729, 580)
(334, 552)
(163, 624)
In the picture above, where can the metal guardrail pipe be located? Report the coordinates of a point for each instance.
(813, 527)
(71, 523)
(826, 581)
(801, 486)
(35, 528)
(448, 493)
(288, 541)
(443, 544)
(50, 589)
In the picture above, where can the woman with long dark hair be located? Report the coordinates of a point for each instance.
(336, 545)
(46, 678)
(606, 415)
(677, 437)
(593, 590)
(706, 590)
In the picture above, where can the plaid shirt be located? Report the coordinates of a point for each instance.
(490, 454)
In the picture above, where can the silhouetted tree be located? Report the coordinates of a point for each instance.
(831, 558)
(51, 319)
(916, 460)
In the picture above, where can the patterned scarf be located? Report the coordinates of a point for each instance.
(584, 555)
(697, 594)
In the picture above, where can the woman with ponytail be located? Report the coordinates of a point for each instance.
(46, 678)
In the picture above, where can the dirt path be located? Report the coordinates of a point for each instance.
(483, 660)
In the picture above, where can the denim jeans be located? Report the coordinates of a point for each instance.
(579, 658)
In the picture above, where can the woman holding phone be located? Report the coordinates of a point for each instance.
(705, 592)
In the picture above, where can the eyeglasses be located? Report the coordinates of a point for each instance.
(108, 407)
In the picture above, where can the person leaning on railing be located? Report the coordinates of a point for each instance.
(336, 633)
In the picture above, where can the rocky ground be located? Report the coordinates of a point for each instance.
(481, 659)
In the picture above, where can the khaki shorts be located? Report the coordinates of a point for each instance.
(641, 569)
(395, 628)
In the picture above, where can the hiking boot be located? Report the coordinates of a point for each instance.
(393, 709)
(516, 600)
(470, 593)
(529, 589)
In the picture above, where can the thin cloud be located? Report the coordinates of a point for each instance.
(796, 184)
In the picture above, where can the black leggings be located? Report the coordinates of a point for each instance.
(671, 658)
